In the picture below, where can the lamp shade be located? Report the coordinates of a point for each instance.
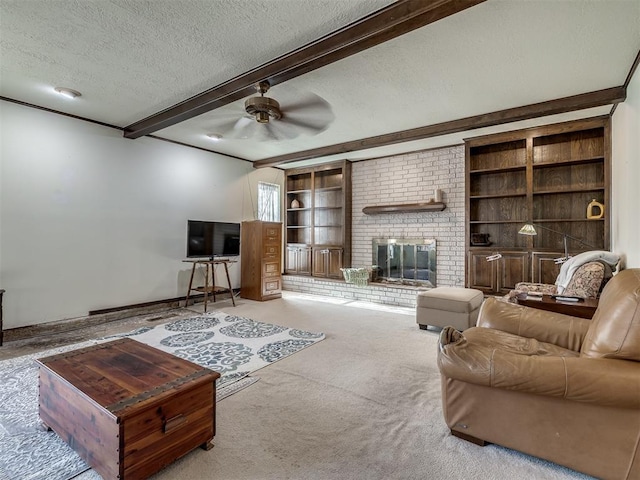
(528, 229)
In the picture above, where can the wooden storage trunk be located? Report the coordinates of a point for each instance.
(126, 408)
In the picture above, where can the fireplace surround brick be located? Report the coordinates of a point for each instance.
(412, 178)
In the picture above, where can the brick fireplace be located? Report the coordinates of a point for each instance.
(408, 178)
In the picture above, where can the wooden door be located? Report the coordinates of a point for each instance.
(334, 263)
(512, 268)
(543, 267)
(320, 263)
(291, 259)
(327, 262)
(481, 274)
(298, 260)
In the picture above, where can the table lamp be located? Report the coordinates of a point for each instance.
(529, 229)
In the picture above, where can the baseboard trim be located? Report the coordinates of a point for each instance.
(153, 303)
(168, 301)
(105, 315)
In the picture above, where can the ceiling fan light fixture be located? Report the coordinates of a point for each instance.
(262, 117)
(263, 108)
(68, 92)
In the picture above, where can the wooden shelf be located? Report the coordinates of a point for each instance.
(564, 163)
(497, 195)
(497, 221)
(405, 208)
(498, 169)
(214, 289)
(558, 220)
(567, 190)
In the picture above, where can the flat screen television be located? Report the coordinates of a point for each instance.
(212, 239)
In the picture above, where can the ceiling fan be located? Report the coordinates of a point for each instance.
(264, 118)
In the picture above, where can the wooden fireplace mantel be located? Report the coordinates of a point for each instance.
(405, 208)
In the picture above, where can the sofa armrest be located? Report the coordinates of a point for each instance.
(601, 381)
(549, 327)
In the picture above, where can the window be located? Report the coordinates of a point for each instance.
(268, 202)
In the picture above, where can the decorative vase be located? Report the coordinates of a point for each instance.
(295, 203)
(595, 209)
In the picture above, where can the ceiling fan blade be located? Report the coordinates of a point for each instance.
(311, 113)
(306, 102)
(279, 131)
(313, 127)
(269, 132)
(226, 113)
(224, 128)
(243, 128)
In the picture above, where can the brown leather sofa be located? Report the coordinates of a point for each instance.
(561, 388)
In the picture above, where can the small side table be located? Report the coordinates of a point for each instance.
(1, 333)
(209, 267)
(585, 308)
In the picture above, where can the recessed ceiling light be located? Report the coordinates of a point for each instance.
(216, 137)
(67, 92)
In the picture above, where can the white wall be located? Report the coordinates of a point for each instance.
(625, 202)
(90, 220)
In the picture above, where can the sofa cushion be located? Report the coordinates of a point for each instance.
(587, 281)
(615, 327)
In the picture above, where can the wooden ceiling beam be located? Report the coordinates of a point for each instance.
(397, 19)
(598, 98)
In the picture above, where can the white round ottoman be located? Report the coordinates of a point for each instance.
(442, 306)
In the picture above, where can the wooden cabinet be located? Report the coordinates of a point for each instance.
(260, 257)
(327, 262)
(318, 228)
(546, 176)
(298, 259)
(500, 275)
(544, 268)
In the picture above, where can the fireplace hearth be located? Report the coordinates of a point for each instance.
(407, 261)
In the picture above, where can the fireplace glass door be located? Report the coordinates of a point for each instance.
(405, 260)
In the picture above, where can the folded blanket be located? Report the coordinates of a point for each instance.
(570, 266)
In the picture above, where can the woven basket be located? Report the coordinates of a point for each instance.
(357, 276)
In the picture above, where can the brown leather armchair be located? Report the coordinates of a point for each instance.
(561, 388)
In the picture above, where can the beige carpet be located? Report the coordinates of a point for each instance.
(362, 404)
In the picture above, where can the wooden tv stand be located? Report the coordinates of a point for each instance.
(209, 289)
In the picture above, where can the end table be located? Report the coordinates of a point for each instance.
(584, 308)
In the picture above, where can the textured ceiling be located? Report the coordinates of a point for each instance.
(133, 58)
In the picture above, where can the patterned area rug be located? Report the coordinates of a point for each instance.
(233, 346)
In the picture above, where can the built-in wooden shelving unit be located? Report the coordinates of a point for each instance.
(544, 175)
